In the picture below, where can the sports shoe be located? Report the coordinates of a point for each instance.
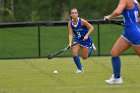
(79, 71)
(93, 46)
(113, 80)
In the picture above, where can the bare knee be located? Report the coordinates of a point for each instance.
(75, 53)
(114, 53)
(84, 57)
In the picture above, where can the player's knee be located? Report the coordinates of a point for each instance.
(114, 53)
(74, 54)
(84, 57)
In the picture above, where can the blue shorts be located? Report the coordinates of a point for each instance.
(132, 35)
(87, 43)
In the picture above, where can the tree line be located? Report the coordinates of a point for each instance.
(53, 10)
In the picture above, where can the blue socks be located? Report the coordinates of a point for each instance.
(77, 62)
(116, 64)
(90, 51)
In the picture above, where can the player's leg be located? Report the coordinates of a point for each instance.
(75, 51)
(120, 46)
(137, 50)
(91, 49)
(85, 52)
(91, 46)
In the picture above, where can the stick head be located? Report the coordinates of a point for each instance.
(49, 57)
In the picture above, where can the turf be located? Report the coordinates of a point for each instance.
(36, 76)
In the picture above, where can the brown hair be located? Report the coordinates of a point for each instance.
(73, 9)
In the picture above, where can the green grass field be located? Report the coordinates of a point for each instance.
(36, 76)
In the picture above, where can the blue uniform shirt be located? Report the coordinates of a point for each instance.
(80, 32)
(131, 29)
(131, 15)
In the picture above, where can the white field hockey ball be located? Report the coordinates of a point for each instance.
(55, 72)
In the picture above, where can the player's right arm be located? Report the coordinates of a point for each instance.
(121, 6)
(70, 34)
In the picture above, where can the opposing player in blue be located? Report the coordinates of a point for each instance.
(81, 29)
(130, 9)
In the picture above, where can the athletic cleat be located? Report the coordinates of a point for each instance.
(113, 80)
(79, 71)
(93, 46)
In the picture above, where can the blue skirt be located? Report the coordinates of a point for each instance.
(132, 34)
(87, 43)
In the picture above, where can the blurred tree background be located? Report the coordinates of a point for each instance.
(53, 10)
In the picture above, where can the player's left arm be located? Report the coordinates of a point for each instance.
(89, 26)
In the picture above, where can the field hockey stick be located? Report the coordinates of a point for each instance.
(117, 22)
(61, 51)
(114, 21)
